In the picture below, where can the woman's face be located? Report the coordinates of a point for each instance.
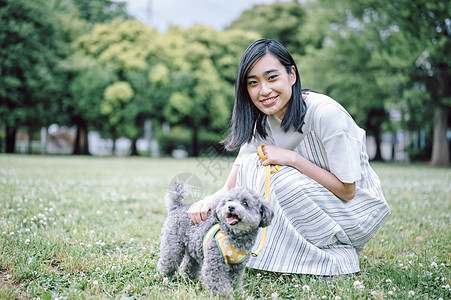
(269, 85)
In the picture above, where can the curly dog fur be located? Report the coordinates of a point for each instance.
(239, 213)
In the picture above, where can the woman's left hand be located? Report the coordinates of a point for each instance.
(278, 156)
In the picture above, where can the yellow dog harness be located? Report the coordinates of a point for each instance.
(229, 253)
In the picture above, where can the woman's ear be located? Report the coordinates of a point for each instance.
(266, 215)
(293, 75)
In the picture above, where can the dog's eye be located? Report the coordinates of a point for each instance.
(245, 203)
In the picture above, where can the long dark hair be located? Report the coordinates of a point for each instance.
(247, 120)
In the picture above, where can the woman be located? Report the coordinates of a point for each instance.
(327, 200)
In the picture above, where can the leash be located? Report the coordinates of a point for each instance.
(268, 172)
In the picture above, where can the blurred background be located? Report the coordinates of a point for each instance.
(156, 77)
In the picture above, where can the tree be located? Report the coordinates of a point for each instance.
(344, 69)
(203, 74)
(29, 77)
(282, 21)
(78, 18)
(129, 48)
(414, 46)
(84, 103)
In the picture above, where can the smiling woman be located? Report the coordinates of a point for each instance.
(327, 199)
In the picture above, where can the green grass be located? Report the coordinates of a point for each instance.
(88, 227)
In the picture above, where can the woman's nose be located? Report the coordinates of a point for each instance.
(265, 89)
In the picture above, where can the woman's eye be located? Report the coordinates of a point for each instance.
(251, 82)
(272, 77)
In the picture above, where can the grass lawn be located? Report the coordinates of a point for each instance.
(88, 227)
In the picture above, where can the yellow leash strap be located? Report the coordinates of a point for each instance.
(268, 172)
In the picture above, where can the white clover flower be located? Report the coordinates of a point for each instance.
(306, 288)
(27, 241)
(411, 293)
(390, 293)
(165, 281)
(274, 295)
(388, 280)
(259, 276)
(95, 282)
(434, 265)
(337, 298)
(358, 285)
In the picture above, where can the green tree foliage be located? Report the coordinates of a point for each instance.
(100, 11)
(413, 45)
(202, 96)
(29, 52)
(343, 68)
(78, 17)
(282, 21)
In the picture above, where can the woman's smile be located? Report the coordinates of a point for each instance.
(269, 101)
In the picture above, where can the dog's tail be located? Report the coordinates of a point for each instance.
(175, 195)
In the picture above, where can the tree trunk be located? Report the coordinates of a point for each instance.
(195, 142)
(440, 146)
(30, 140)
(10, 139)
(378, 141)
(81, 146)
(133, 148)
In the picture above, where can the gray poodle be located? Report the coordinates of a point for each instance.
(239, 214)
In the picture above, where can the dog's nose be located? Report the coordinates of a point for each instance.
(231, 208)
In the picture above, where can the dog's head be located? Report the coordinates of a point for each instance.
(243, 209)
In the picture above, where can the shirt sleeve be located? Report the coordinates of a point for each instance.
(244, 152)
(342, 140)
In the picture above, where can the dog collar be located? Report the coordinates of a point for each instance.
(229, 253)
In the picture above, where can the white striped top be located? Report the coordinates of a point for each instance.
(313, 231)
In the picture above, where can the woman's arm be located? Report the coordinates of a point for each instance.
(276, 155)
(198, 210)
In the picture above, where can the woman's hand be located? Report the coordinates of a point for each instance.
(278, 156)
(275, 155)
(198, 211)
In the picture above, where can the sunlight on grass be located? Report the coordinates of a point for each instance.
(88, 227)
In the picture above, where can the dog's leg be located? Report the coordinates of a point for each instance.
(215, 273)
(236, 274)
(172, 250)
(190, 267)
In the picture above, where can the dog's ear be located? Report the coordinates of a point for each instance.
(214, 205)
(266, 215)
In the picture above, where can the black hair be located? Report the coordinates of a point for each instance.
(247, 120)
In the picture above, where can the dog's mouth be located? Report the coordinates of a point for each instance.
(233, 219)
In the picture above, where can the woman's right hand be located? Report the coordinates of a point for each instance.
(198, 211)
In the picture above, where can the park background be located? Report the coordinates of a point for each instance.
(86, 77)
(104, 102)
